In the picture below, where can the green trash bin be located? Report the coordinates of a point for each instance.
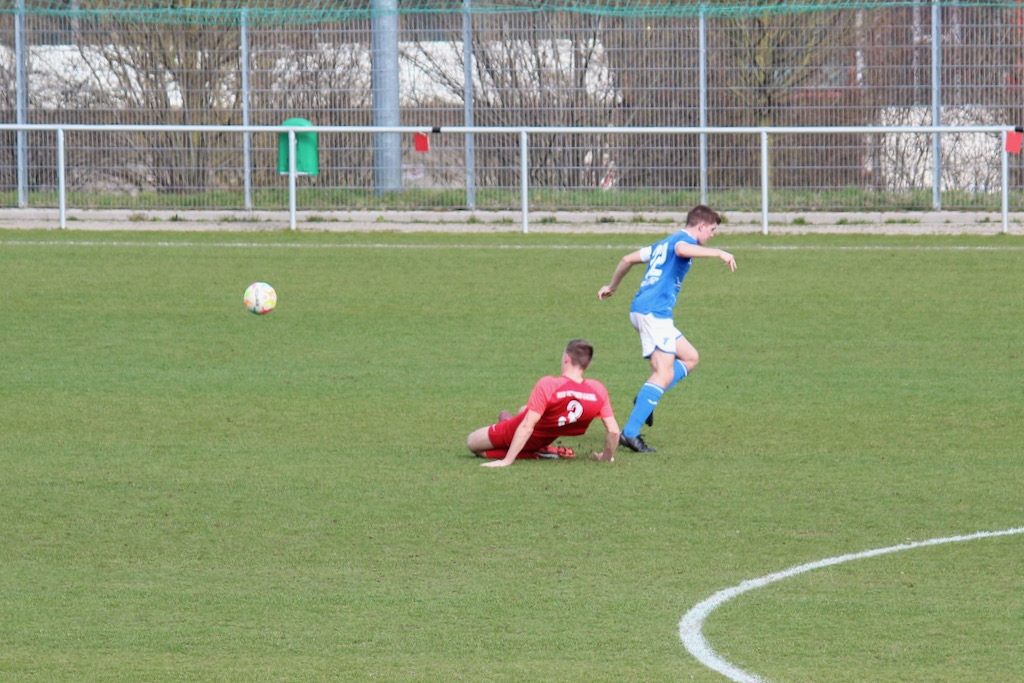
(307, 158)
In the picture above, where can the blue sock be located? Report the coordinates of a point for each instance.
(681, 373)
(646, 401)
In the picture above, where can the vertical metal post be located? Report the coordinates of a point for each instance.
(1005, 185)
(243, 54)
(764, 182)
(936, 105)
(524, 179)
(21, 101)
(467, 96)
(292, 173)
(62, 201)
(387, 147)
(703, 75)
(76, 30)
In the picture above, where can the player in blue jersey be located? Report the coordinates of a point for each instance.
(672, 357)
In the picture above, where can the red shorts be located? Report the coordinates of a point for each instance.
(500, 435)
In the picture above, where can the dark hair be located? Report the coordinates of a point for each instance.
(702, 214)
(580, 352)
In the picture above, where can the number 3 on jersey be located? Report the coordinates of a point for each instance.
(575, 410)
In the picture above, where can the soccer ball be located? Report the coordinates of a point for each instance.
(260, 298)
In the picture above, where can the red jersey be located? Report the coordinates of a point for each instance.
(567, 407)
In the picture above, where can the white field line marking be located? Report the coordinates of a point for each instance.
(383, 245)
(693, 621)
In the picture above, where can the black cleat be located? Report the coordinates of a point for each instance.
(635, 443)
(650, 418)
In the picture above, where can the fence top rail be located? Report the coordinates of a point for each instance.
(317, 11)
(511, 130)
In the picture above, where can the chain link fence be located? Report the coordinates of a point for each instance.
(770, 65)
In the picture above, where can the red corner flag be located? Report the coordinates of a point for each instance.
(421, 142)
(1013, 141)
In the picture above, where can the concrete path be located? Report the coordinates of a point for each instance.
(909, 223)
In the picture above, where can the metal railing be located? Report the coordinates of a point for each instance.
(526, 133)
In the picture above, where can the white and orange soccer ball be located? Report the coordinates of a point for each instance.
(260, 298)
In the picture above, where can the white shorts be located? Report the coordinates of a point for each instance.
(655, 333)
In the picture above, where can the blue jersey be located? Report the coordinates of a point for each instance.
(665, 272)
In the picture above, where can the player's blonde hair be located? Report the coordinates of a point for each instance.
(580, 352)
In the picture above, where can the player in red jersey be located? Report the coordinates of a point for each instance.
(558, 406)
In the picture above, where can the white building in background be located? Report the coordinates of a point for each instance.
(970, 161)
(429, 71)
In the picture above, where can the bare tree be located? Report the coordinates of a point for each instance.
(537, 69)
(8, 151)
(793, 67)
(771, 58)
(158, 74)
(320, 73)
(654, 66)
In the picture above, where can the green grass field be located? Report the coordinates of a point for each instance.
(189, 492)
